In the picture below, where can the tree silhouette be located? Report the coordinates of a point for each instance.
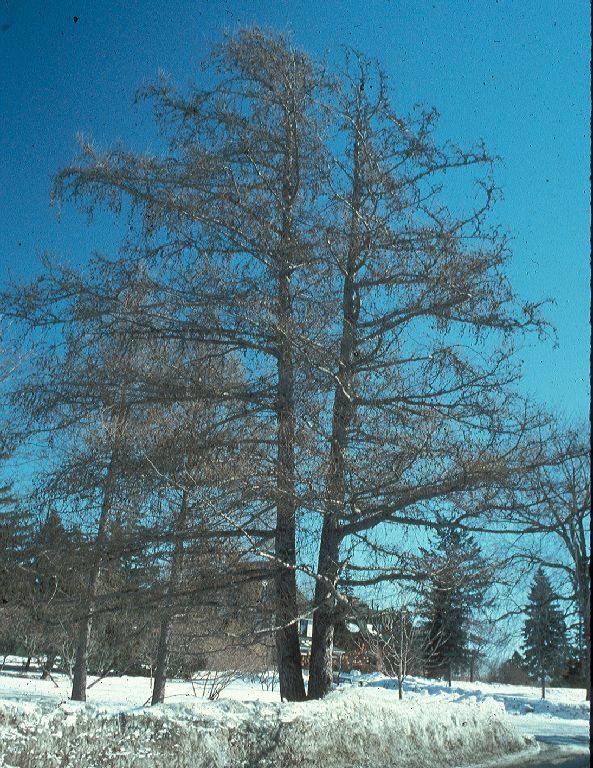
(544, 631)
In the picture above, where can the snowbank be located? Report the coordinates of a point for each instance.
(352, 727)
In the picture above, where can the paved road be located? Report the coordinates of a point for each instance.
(558, 752)
(554, 758)
(564, 761)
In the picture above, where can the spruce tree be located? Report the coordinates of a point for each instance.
(544, 631)
(458, 577)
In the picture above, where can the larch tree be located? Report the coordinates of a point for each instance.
(56, 561)
(204, 470)
(16, 531)
(80, 392)
(423, 412)
(11, 528)
(377, 326)
(234, 198)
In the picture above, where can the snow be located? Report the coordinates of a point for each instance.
(352, 727)
(560, 720)
(361, 724)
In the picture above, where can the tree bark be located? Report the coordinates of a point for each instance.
(583, 595)
(48, 666)
(79, 674)
(162, 658)
(292, 687)
(322, 640)
(324, 617)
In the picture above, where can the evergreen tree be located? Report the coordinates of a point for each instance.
(512, 671)
(56, 560)
(458, 577)
(15, 532)
(544, 632)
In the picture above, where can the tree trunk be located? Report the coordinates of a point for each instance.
(48, 666)
(27, 664)
(402, 655)
(292, 687)
(584, 604)
(322, 641)
(324, 618)
(79, 674)
(471, 668)
(162, 657)
(449, 676)
(543, 678)
(588, 657)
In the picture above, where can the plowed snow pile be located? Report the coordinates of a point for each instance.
(351, 728)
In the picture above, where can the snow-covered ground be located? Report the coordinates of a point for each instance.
(561, 719)
(361, 724)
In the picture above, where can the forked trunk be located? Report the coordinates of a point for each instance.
(324, 617)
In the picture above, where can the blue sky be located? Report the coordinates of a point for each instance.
(513, 73)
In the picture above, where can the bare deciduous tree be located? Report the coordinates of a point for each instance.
(422, 411)
(299, 223)
(235, 198)
(552, 505)
(396, 638)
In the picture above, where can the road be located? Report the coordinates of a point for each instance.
(554, 758)
(558, 752)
